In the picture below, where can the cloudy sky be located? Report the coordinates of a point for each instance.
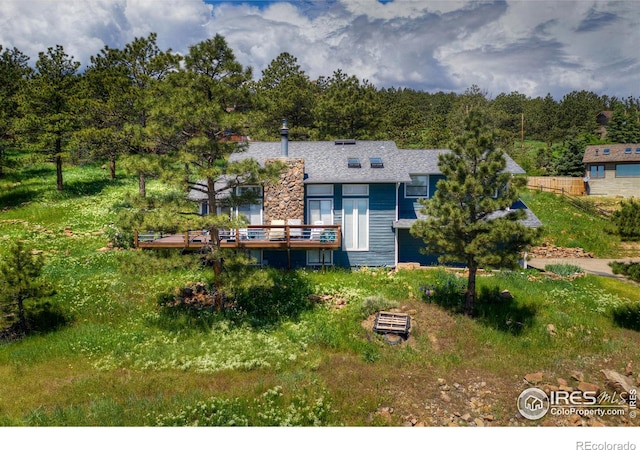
(530, 46)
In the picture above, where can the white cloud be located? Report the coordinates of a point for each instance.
(531, 46)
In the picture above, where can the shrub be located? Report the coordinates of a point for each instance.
(564, 270)
(627, 220)
(627, 316)
(376, 303)
(630, 270)
(268, 296)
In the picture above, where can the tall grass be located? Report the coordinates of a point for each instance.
(567, 226)
(121, 359)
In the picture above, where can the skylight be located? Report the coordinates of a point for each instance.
(376, 162)
(606, 151)
(353, 163)
(345, 142)
(627, 150)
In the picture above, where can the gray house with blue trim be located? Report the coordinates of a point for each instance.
(369, 190)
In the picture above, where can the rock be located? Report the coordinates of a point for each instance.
(479, 422)
(593, 422)
(618, 382)
(565, 388)
(489, 417)
(578, 376)
(562, 382)
(533, 378)
(445, 388)
(551, 329)
(629, 369)
(506, 295)
(420, 424)
(103, 249)
(575, 420)
(441, 381)
(444, 397)
(466, 417)
(583, 386)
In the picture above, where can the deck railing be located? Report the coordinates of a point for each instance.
(251, 236)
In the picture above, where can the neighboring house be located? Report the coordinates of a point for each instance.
(612, 170)
(602, 119)
(370, 189)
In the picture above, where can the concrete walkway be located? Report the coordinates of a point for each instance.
(594, 266)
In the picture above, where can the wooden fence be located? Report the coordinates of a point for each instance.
(564, 185)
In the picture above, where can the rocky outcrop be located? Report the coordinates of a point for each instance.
(548, 250)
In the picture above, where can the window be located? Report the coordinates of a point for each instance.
(356, 224)
(320, 211)
(204, 208)
(353, 163)
(627, 170)
(245, 190)
(315, 190)
(355, 189)
(596, 171)
(419, 186)
(638, 150)
(315, 257)
(627, 150)
(606, 151)
(376, 163)
(252, 212)
(255, 257)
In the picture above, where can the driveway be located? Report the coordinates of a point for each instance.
(594, 266)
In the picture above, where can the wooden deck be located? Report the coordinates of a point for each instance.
(301, 237)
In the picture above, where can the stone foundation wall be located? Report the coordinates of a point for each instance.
(285, 199)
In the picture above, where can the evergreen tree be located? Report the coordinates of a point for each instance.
(623, 127)
(346, 108)
(47, 106)
(196, 116)
(13, 73)
(20, 281)
(464, 222)
(570, 163)
(283, 91)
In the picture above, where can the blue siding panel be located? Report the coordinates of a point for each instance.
(278, 258)
(409, 207)
(382, 213)
(409, 250)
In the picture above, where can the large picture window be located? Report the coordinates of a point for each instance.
(356, 223)
(419, 186)
(627, 170)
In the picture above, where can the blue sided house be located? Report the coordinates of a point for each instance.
(345, 203)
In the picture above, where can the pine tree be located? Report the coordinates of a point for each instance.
(467, 218)
(47, 106)
(20, 281)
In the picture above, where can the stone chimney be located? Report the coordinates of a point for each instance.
(284, 199)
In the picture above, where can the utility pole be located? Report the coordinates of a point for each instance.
(522, 132)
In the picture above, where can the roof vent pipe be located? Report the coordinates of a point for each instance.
(284, 139)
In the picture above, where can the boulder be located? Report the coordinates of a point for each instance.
(617, 381)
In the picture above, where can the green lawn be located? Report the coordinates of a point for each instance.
(565, 225)
(116, 357)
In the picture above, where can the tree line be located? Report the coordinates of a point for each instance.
(137, 104)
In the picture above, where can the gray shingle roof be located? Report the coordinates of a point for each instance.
(326, 162)
(616, 153)
(531, 220)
